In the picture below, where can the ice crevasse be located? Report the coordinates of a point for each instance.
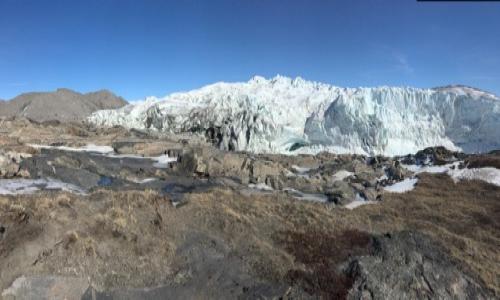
(284, 115)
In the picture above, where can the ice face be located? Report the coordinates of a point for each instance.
(281, 115)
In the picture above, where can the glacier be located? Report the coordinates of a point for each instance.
(293, 116)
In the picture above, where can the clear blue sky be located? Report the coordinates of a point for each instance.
(140, 48)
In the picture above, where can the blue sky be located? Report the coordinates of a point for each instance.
(141, 48)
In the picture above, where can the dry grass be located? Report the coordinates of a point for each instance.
(481, 161)
(130, 238)
(463, 217)
(321, 253)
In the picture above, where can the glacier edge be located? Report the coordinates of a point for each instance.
(284, 115)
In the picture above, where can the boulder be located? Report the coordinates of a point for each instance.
(340, 193)
(395, 172)
(275, 182)
(437, 156)
(261, 169)
(410, 265)
(10, 165)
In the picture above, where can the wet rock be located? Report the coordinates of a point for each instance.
(409, 265)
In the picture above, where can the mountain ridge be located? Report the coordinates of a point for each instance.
(62, 104)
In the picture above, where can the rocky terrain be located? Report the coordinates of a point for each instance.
(63, 105)
(96, 213)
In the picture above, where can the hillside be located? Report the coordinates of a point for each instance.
(62, 105)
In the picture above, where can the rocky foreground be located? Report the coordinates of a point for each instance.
(94, 213)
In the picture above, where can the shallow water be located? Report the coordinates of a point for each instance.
(30, 186)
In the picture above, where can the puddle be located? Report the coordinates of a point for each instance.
(30, 186)
(170, 188)
(105, 181)
(161, 162)
(176, 190)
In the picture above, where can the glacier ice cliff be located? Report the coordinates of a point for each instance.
(284, 115)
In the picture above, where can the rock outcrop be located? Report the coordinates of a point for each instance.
(409, 265)
(10, 165)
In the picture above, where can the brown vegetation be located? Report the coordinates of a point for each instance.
(130, 238)
(481, 161)
(322, 253)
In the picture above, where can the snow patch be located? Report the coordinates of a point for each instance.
(306, 196)
(260, 186)
(359, 201)
(341, 175)
(403, 186)
(163, 161)
(490, 175)
(87, 148)
(143, 181)
(417, 169)
(301, 170)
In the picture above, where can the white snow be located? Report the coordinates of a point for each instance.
(341, 175)
(142, 181)
(301, 170)
(260, 186)
(306, 196)
(403, 186)
(272, 115)
(30, 186)
(162, 161)
(87, 148)
(490, 175)
(417, 169)
(359, 201)
(19, 284)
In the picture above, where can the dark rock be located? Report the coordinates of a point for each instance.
(410, 265)
(395, 172)
(340, 193)
(437, 156)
